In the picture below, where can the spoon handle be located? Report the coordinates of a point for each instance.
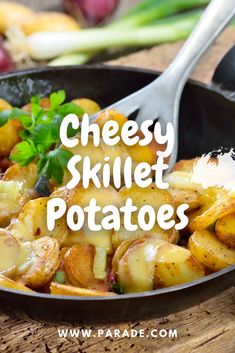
(217, 15)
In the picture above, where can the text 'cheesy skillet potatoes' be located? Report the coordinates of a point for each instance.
(109, 262)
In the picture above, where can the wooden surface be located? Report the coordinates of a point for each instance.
(207, 328)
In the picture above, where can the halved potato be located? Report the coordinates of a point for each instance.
(225, 230)
(220, 208)
(80, 196)
(63, 289)
(9, 136)
(32, 223)
(147, 196)
(175, 265)
(119, 253)
(88, 105)
(191, 197)
(210, 251)
(150, 263)
(25, 176)
(78, 265)
(184, 165)
(156, 232)
(41, 263)
(111, 114)
(9, 283)
(16, 188)
(136, 267)
(147, 153)
(9, 253)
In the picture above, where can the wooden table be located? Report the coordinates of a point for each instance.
(207, 328)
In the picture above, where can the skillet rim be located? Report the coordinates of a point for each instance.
(210, 87)
(213, 87)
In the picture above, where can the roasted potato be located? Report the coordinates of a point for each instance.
(220, 208)
(80, 196)
(111, 114)
(9, 253)
(41, 264)
(184, 165)
(147, 196)
(10, 201)
(45, 103)
(151, 263)
(78, 265)
(112, 152)
(175, 265)
(147, 153)
(25, 176)
(9, 136)
(4, 105)
(191, 197)
(62, 289)
(210, 251)
(48, 22)
(225, 230)
(9, 283)
(32, 223)
(122, 234)
(12, 14)
(88, 105)
(16, 188)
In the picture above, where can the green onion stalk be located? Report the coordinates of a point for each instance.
(146, 13)
(168, 30)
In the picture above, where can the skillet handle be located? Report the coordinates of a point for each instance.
(224, 75)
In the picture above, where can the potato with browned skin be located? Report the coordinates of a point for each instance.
(225, 230)
(88, 105)
(151, 263)
(16, 189)
(78, 265)
(222, 207)
(9, 283)
(41, 264)
(32, 223)
(63, 289)
(9, 253)
(210, 251)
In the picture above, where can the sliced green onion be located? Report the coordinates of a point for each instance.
(9, 190)
(60, 277)
(99, 265)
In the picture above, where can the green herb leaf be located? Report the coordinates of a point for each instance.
(7, 115)
(57, 98)
(25, 152)
(54, 163)
(70, 108)
(116, 288)
(42, 135)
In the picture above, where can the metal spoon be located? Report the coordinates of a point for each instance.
(160, 99)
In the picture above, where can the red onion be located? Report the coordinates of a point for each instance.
(6, 63)
(92, 12)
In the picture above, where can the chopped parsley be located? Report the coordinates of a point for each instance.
(41, 135)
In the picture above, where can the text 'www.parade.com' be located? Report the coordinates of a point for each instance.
(117, 333)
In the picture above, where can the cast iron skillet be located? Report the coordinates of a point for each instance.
(207, 121)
